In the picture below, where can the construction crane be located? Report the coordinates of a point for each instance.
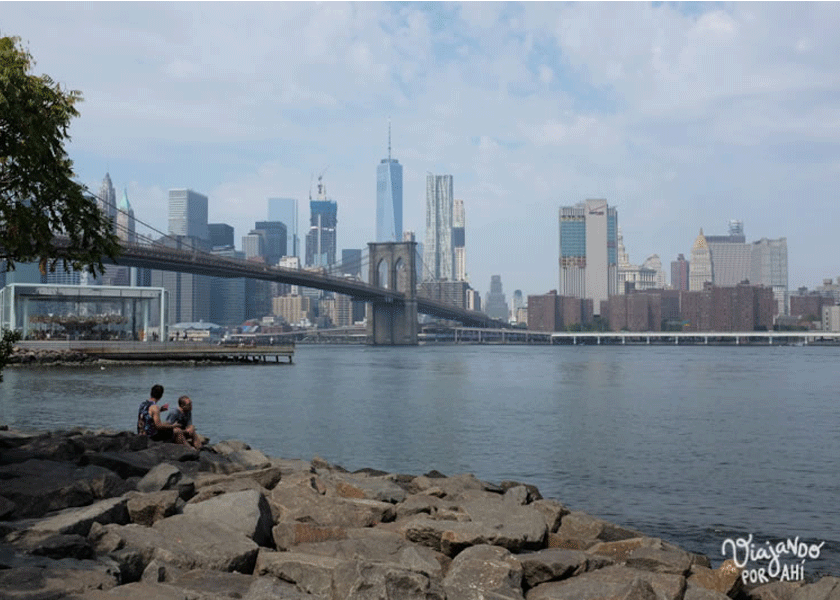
(322, 190)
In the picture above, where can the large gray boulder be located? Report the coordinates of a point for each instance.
(55, 579)
(246, 511)
(776, 590)
(148, 509)
(380, 546)
(362, 486)
(554, 564)
(361, 580)
(37, 487)
(484, 572)
(647, 554)
(491, 520)
(292, 502)
(79, 520)
(422, 503)
(178, 540)
(267, 478)
(311, 573)
(613, 582)
(726, 579)
(164, 476)
(584, 527)
(827, 588)
(51, 544)
(453, 486)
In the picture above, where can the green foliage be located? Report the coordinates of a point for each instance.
(39, 199)
(7, 344)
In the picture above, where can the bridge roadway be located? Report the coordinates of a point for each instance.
(160, 257)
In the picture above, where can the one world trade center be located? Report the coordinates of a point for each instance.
(389, 198)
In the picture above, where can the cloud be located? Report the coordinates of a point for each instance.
(683, 116)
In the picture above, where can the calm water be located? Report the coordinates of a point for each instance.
(691, 444)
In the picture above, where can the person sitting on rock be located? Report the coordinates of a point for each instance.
(149, 422)
(181, 417)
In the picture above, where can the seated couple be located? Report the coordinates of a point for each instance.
(177, 428)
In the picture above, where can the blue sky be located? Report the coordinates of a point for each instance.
(682, 115)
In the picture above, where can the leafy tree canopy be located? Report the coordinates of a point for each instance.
(39, 199)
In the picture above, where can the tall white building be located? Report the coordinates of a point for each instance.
(389, 198)
(654, 263)
(438, 257)
(588, 251)
(632, 276)
(188, 214)
(701, 264)
(769, 267)
(731, 256)
(285, 210)
(126, 226)
(459, 240)
(107, 199)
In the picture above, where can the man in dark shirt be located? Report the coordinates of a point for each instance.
(181, 419)
(149, 422)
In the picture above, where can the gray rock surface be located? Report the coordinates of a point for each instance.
(228, 522)
(245, 511)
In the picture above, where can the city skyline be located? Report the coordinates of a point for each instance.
(705, 113)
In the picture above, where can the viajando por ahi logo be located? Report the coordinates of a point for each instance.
(785, 560)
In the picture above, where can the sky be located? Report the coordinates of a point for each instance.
(683, 116)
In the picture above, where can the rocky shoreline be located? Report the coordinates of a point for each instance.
(40, 357)
(104, 514)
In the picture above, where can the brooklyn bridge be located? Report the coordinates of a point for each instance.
(391, 293)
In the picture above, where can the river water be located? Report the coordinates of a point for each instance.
(692, 444)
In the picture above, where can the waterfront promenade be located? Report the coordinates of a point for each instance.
(467, 335)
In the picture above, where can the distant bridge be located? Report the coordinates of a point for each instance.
(187, 260)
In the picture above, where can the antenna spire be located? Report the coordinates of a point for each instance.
(389, 139)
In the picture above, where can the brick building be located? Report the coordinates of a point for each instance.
(804, 305)
(635, 312)
(550, 312)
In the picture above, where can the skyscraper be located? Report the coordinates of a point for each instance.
(274, 235)
(321, 240)
(221, 236)
(107, 199)
(731, 256)
(769, 268)
(188, 214)
(285, 210)
(351, 262)
(701, 264)
(495, 304)
(389, 198)
(438, 257)
(458, 240)
(679, 273)
(588, 251)
(125, 220)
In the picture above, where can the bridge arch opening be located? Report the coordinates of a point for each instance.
(382, 279)
(401, 276)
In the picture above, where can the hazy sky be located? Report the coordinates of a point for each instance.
(682, 116)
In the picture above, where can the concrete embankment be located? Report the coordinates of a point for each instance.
(94, 515)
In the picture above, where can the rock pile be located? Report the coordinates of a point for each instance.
(98, 515)
(45, 356)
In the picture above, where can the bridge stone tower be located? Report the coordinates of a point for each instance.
(392, 266)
